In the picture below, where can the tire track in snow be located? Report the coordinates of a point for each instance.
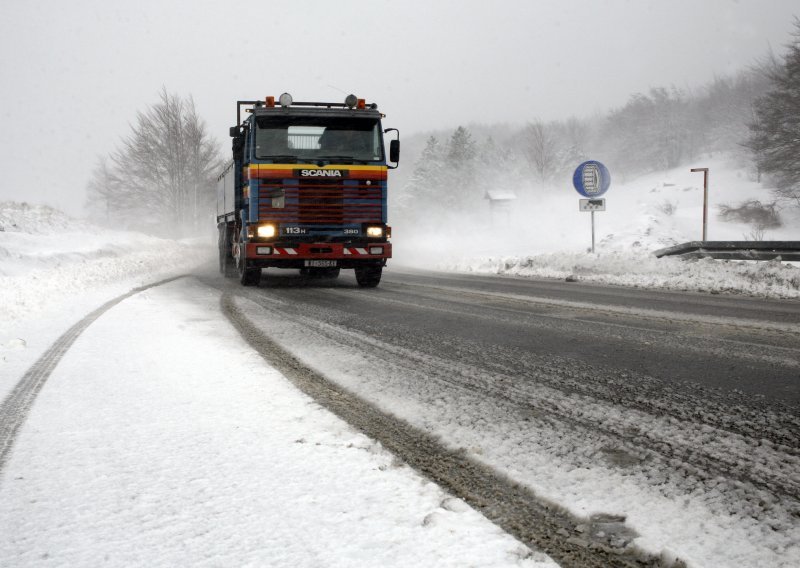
(648, 438)
(517, 510)
(15, 407)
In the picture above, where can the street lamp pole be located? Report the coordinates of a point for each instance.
(705, 200)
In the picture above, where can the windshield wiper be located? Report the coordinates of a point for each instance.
(278, 157)
(345, 159)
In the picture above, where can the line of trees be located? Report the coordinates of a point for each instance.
(755, 115)
(162, 177)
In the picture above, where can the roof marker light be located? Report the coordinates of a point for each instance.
(285, 100)
(362, 103)
(270, 101)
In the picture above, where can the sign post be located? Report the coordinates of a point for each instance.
(705, 200)
(591, 179)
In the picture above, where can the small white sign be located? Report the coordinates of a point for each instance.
(592, 204)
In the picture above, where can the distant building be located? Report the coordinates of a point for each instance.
(500, 203)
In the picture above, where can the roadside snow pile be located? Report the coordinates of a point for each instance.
(37, 219)
(49, 259)
(772, 279)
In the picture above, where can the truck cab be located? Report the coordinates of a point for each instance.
(306, 189)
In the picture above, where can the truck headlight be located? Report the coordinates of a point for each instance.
(266, 231)
(374, 231)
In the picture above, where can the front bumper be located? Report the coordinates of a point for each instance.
(294, 255)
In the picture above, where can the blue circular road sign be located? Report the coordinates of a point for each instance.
(591, 179)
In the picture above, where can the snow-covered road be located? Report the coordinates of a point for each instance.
(680, 420)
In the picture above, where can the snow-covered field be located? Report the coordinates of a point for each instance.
(192, 451)
(545, 236)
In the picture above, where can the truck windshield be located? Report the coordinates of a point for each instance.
(340, 139)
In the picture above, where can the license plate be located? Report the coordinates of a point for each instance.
(321, 263)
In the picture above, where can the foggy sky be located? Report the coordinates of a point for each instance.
(73, 74)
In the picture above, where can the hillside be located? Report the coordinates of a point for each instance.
(544, 235)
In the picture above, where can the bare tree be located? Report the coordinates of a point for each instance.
(162, 176)
(541, 149)
(576, 135)
(100, 190)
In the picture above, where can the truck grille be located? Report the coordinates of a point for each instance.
(320, 202)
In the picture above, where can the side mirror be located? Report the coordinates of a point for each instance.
(394, 148)
(235, 132)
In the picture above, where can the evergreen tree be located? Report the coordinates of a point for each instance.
(422, 190)
(460, 187)
(775, 132)
(461, 151)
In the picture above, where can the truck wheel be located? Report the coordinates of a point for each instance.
(368, 276)
(226, 263)
(251, 277)
(221, 249)
(226, 266)
(247, 276)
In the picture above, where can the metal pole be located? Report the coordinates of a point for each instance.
(705, 200)
(705, 205)
(592, 231)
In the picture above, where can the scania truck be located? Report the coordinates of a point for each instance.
(306, 189)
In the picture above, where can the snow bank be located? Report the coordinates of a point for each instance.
(38, 219)
(772, 279)
(55, 269)
(48, 259)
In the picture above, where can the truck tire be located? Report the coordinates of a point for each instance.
(221, 248)
(369, 276)
(226, 262)
(251, 277)
(247, 276)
